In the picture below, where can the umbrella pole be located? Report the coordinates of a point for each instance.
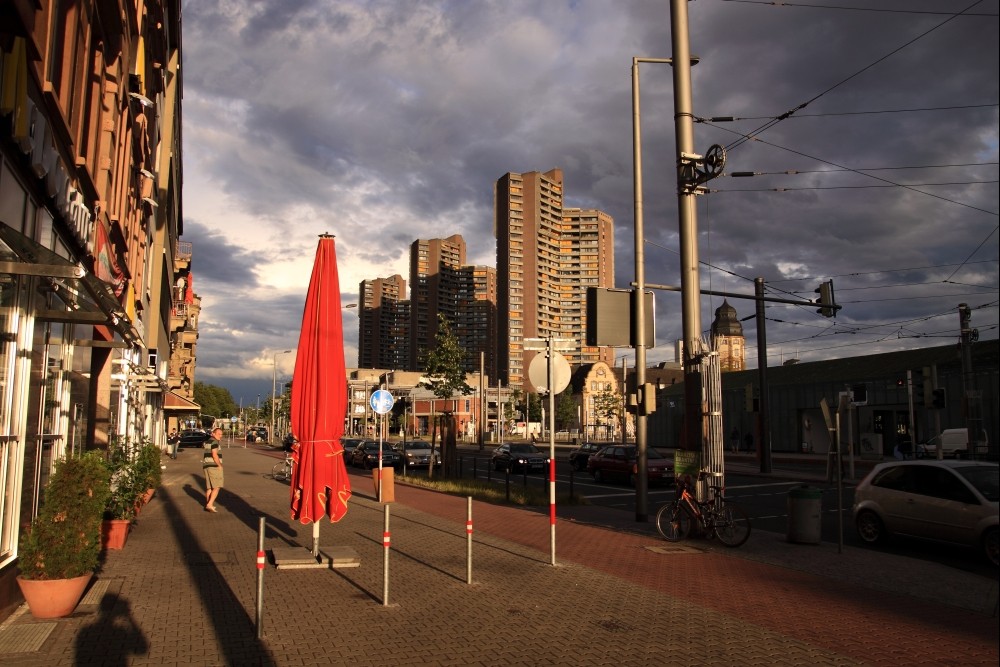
(315, 549)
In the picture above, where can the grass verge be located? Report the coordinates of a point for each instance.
(492, 492)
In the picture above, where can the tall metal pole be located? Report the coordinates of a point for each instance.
(972, 398)
(765, 404)
(639, 303)
(274, 378)
(688, 229)
(550, 351)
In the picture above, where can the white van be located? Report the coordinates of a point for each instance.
(954, 442)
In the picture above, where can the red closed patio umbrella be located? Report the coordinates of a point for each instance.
(320, 485)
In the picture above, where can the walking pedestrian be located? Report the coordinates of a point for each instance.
(174, 441)
(212, 464)
(734, 440)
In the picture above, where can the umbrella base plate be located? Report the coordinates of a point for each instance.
(298, 558)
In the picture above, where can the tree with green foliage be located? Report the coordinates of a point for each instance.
(565, 410)
(609, 408)
(534, 407)
(215, 401)
(445, 373)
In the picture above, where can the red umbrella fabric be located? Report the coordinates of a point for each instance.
(320, 485)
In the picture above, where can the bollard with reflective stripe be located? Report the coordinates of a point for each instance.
(468, 548)
(261, 527)
(385, 556)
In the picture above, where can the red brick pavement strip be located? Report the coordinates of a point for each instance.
(871, 626)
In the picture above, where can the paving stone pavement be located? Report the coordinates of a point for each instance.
(184, 591)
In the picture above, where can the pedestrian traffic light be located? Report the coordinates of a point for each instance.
(940, 399)
(827, 307)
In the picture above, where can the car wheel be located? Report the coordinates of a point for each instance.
(991, 545)
(870, 527)
(598, 477)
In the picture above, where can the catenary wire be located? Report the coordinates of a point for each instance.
(768, 125)
(802, 5)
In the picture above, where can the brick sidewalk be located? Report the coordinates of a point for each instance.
(183, 591)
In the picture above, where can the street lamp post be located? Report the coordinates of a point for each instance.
(274, 379)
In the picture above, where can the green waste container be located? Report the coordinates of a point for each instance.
(805, 515)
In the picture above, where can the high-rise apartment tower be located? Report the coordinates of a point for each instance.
(442, 283)
(547, 257)
(383, 323)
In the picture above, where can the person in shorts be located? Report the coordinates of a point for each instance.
(212, 464)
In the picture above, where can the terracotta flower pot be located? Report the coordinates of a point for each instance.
(53, 598)
(114, 532)
(148, 496)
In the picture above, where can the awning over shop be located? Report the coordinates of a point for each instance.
(87, 299)
(176, 402)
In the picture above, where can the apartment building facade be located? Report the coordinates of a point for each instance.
(383, 323)
(90, 214)
(547, 256)
(441, 283)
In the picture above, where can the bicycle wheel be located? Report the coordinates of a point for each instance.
(732, 525)
(673, 522)
(280, 471)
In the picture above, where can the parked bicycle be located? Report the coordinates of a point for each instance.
(282, 471)
(716, 516)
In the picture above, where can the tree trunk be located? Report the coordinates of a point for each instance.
(449, 447)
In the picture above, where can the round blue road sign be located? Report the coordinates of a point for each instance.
(381, 401)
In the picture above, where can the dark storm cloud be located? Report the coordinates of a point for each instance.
(385, 122)
(224, 264)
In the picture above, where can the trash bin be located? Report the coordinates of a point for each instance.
(805, 507)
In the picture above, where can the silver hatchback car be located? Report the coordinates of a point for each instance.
(947, 501)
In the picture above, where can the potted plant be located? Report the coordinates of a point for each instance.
(148, 469)
(124, 500)
(59, 552)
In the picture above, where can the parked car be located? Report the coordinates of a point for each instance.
(349, 444)
(518, 457)
(417, 453)
(578, 457)
(365, 455)
(193, 437)
(954, 442)
(619, 462)
(947, 501)
(257, 434)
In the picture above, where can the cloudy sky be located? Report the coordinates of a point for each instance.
(383, 122)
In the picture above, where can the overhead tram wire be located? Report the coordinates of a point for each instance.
(862, 173)
(854, 187)
(802, 5)
(771, 123)
(729, 119)
(988, 237)
(855, 274)
(796, 172)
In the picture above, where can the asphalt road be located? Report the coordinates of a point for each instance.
(765, 499)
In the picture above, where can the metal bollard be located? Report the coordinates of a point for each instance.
(468, 547)
(261, 560)
(385, 556)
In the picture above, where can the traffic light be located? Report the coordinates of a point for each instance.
(827, 307)
(920, 394)
(927, 387)
(940, 399)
